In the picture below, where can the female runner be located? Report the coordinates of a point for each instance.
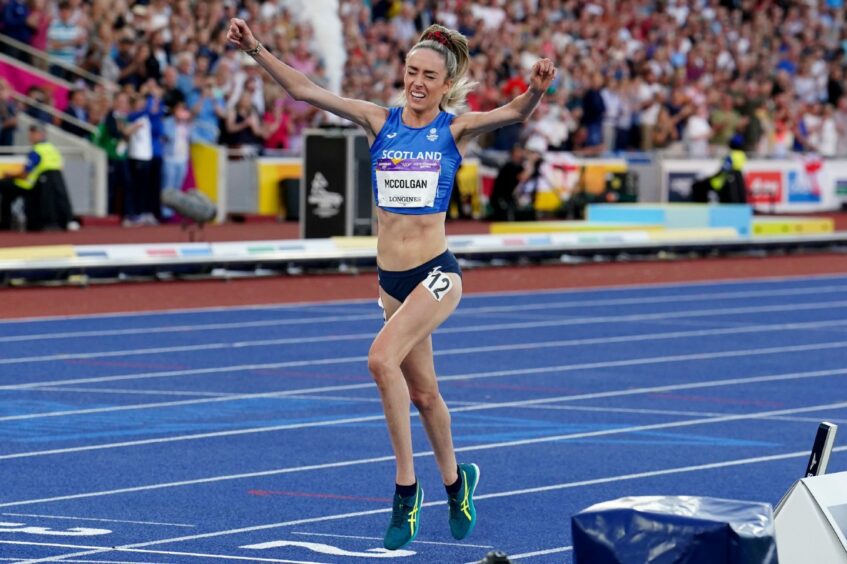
(415, 152)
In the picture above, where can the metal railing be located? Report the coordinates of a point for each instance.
(49, 61)
(63, 117)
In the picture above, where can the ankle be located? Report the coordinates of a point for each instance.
(454, 487)
(406, 491)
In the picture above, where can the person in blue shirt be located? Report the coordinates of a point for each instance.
(15, 14)
(416, 150)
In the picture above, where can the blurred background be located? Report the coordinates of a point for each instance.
(639, 84)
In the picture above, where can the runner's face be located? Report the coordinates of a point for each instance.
(425, 80)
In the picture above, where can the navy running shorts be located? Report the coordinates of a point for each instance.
(399, 285)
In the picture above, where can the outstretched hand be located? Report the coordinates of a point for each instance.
(541, 75)
(240, 35)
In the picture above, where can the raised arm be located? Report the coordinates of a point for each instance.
(471, 124)
(369, 116)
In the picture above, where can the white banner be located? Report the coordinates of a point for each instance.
(805, 183)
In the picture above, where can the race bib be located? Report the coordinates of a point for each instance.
(438, 283)
(407, 183)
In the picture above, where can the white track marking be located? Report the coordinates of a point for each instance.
(556, 550)
(541, 489)
(521, 403)
(476, 407)
(68, 518)
(229, 345)
(190, 328)
(768, 280)
(464, 311)
(356, 537)
(130, 392)
(671, 412)
(90, 550)
(471, 448)
(565, 343)
(361, 359)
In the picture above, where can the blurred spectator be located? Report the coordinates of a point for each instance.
(64, 39)
(111, 136)
(177, 138)
(697, 133)
(15, 14)
(248, 80)
(725, 120)
(171, 95)
(42, 102)
(8, 115)
(139, 210)
(38, 21)
(276, 122)
(77, 108)
(209, 109)
(531, 180)
(40, 184)
(156, 113)
(840, 119)
(244, 130)
(126, 62)
(503, 191)
(593, 113)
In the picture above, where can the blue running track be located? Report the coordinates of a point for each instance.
(256, 434)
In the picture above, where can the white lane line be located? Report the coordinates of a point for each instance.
(557, 550)
(90, 550)
(594, 320)
(356, 359)
(636, 411)
(562, 343)
(475, 407)
(541, 489)
(112, 562)
(672, 412)
(471, 448)
(69, 518)
(130, 392)
(190, 328)
(463, 311)
(357, 537)
(756, 281)
(448, 330)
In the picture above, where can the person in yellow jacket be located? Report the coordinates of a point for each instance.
(727, 186)
(43, 157)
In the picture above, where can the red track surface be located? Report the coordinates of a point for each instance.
(28, 302)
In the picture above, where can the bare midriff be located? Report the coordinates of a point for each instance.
(407, 241)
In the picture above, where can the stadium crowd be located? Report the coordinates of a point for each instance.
(680, 76)
(640, 75)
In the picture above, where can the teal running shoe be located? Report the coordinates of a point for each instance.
(462, 510)
(405, 520)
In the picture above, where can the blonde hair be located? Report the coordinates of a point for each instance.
(453, 46)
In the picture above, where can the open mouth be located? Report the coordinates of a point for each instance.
(417, 95)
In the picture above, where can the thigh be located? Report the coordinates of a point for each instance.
(418, 367)
(412, 322)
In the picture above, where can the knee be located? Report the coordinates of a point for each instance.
(425, 400)
(381, 365)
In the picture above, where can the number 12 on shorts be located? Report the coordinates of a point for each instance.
(438, 283)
